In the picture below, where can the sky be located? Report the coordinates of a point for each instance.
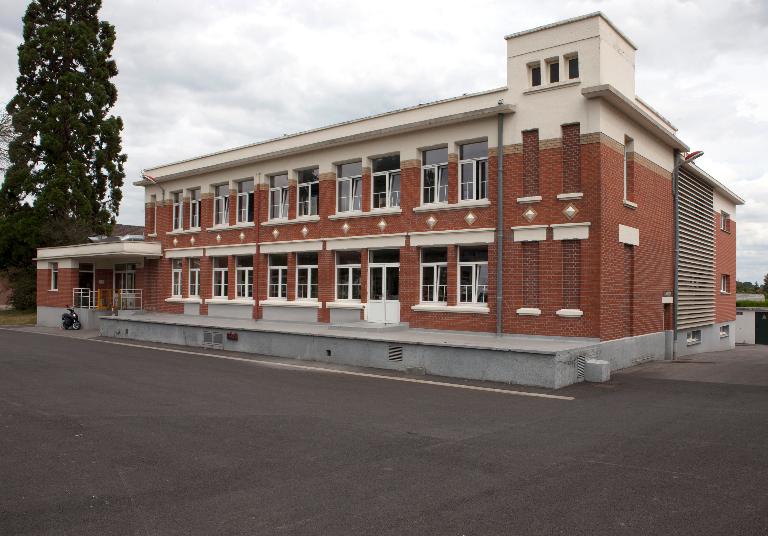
(198, 76)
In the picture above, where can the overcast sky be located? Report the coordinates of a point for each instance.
(198, 76)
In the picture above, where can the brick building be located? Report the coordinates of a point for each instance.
(400, 218)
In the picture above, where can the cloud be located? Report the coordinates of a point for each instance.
(199, 76)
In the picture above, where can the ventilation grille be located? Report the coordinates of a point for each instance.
(395, 353)
(581, 363)
(213, 339)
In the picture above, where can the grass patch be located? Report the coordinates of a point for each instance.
(751, 303)
(15, 318)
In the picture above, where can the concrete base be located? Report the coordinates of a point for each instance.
(229, 311)
(597, 370)
(191, 308)
(630, 351)
(291, 314)
(51, 317)
(711, 341)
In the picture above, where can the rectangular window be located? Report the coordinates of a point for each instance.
(725, 221)
(220, 277)
(725, 284)
(629, 147)
(530, 260)
(693, 337)
(349, 185)
(277, 284)
(178, 209)
(244, 277)
(54, 267)
(221, 204)
(153, 200)
(278, 197)
(348, 275)
(176, 277)
(386, 182)
(434, 275)
(571, 253)
(573, 66)
(473, 171)
(434, 176)
(473, 274)
(725, 331)
(535, 71)
(194, 276)
(306, 276)
(554, 71)
(194, 208)
(309, 192)
(245, 201)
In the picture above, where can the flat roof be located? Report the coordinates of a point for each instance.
(572, 20)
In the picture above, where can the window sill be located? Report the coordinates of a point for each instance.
(453, 206)
(630, 204)
(571, 196)
(53, 290)
(556, 85)
(725, 293)
(192, 300)
(467, 308)
(175, 299)
(342, 304)
(225, 301)
(244, 225)
(184, 231)
(529, 199)
(529, 311)
(690, 342)
(570, 313)
(302, 219)
(359, 214)
(285, 303)
(724, 335)
(387, 210)
(152, 235)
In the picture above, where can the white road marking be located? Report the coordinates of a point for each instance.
(314, 368)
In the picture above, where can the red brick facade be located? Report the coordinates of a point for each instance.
(725, 264)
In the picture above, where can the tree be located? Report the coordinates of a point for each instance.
(6, 135)
(66, 164)
(765, 286)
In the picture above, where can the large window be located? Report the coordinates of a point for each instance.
(244, 277)
(194, 276)
(220, 277)
(221, 204)
(473, 274)
(309, 192)
(176, 277)
(349, 187)
(278, 276)
(194, 208)
(245, 201)
(434, 275)
(386, 182)
(306, 276)
(178, 210)
(473, 170)
(278, 197)
(54, 267)
(434, 176)
(348, 275)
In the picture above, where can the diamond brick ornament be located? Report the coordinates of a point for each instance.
(530, 214)
(570, 211)
(431, 221)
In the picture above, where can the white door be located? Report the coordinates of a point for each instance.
(384, 287)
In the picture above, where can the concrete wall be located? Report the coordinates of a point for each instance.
(229, 310)
(710, 340)
(51, 317)
(291, 314)
(630, 351)
(745, 327)
(342, 316)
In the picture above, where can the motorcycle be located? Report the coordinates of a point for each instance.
(70, 320)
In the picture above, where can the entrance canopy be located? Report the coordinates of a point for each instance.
(113, 251)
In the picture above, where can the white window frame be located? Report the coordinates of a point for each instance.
(282, 280)
(436, 189)
(437, 267)
(388, 190)
(194, 277)
(222, 274)
(244, 201)
(308, 186)
(475, 182)
(349, 268)
(177, 266)
(725, 218)
(220, 206)
(725, 284)
(475, 288)
(311, 280)
(355, 192)
(243, 289)
(177, 221)
(725, 331)
(283, 192)
(194, 208)
(54, 267)
(693, 337)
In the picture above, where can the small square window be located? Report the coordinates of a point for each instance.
(725, 222)
(554, 71)
(725, 331)
(693, 337)
(573, 67)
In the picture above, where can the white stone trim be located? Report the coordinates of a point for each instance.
(667, 299)
(446, 238)
(568, 197)
(191, 230)
(570, 313)
(630, 204)
(341, 304)
(570, 231)
(367, 241)
(221, 251)
(629, 235)
(529, 199)
(294, 303)
(63, 263)
(241, 225)
(289, 246)
(192, 300)
(529, 311)
(477, 203)
(175, 299)
(225, 301)
(97, 249)
(180, 253)
(529, 233)
(464, 308)
(301, 219)
(372, 213)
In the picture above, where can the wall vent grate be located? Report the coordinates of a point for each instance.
(581, 363)
(395, 353)
(213, 339)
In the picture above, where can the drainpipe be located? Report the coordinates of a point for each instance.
(499, 223)
(675, 299)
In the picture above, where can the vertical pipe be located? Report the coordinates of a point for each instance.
(499, 223)
(675, 194)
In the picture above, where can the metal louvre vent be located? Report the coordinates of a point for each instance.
(395, 353)
(213, 339)
(581, 363)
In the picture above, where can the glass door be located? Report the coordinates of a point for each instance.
(384, 286)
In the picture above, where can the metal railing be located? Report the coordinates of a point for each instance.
(107, 298)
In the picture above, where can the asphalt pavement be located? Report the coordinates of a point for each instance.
(99, 438)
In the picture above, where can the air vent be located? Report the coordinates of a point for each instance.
(581, 363)
(213, 339)
(395, 353)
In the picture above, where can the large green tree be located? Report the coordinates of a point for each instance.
(66, 163)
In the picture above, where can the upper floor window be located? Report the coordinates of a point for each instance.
(178, 209)
(277, 286)
(153, 200)
(473, 274)
(725, 284)
(176, 277)
(309, 192)
(434, 176)
(348, 275)
(221, 204)
(534, 71)
(194, 208)
(434, 275)
(306, 276)
(349, 187)
(220, 277)
(194, 276)
(553, 67)
(54, 267)
(278, 197)
(244, 277)
(629, 148)
(725, 221)
(386, 182)
(245, 201)
(573, 66)
(473, 170)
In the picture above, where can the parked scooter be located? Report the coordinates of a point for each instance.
(70, 320)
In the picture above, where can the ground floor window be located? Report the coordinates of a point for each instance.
(434, 275)
(278, 276)
(176, 277)
(306, 276)
(244, 273)
(54, 266)
(348, 275)
(194, 277)
(473, 274)
(220, 277)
